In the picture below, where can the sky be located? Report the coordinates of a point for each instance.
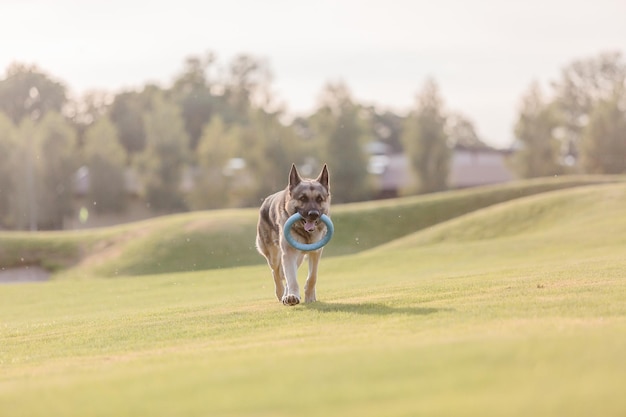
(483, 54)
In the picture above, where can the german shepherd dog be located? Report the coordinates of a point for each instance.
(310, 198)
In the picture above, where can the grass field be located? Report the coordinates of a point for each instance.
(513, 307)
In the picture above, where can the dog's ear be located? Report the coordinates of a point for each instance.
(323, 178)
(294, 177)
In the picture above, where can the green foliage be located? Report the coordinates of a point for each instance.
(538, 153)
(269, 148)
(585, 81)
(24, 174)
(462, 133)
(40, 164)
(247, 86)
(217, 145)
(603, 149)
(576, 120)
(7, 150)
(213, 185)
(105, 159)
(386, 127)
(162, 162)
(192, 92)
(56, 161)
(84, 110)
(127, 113)
(27, 92)
(583, 84)
(340, 126)
(557, 135)
(523, 323)
(426, 142)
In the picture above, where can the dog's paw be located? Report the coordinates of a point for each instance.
(310, 298)
(291, 300)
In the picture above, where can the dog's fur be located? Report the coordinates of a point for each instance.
(310, 198)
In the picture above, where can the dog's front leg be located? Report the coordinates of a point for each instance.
(290, 267)
(309, 286)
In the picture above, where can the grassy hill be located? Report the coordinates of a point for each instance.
(225, 238)
(514, 309)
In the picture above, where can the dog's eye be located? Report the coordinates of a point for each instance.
(319, 199)
(304, 199)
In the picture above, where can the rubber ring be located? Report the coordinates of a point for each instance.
(308, 247)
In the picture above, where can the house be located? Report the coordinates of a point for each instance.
(472, 167)
(469, 167)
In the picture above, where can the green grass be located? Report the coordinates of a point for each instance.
(516, 309)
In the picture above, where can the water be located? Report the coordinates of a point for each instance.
(23, 274)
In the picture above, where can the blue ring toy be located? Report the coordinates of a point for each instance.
(308, 247)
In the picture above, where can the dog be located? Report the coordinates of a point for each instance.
(310, 198)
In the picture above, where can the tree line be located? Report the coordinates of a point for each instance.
(579, 125)
(217, 137)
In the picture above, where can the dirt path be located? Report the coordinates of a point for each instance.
(24, 274)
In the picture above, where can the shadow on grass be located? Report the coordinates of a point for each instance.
(370, 308)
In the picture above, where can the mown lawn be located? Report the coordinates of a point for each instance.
(513, 310)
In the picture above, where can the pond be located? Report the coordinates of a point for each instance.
(23, 274)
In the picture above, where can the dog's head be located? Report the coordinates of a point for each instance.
(309, 197)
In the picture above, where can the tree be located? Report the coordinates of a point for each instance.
(247, 86)
(425, 140)
(42, 164)
(25, 175)
(56, 162)
(603, 147)
(213, 184)
(127, 113)
(7, 150)
(462, 133)
(269, 148)
(538, 153)
(105, 159)
(192, 92)
(162, 162)
(387, 128)
(28, 92)
(340, 125)
(583, 84)
(88, 108)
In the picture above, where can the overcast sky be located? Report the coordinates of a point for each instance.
(482, 53)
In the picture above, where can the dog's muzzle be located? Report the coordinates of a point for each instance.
(310, 220)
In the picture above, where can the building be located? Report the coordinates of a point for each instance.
(469, 167)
